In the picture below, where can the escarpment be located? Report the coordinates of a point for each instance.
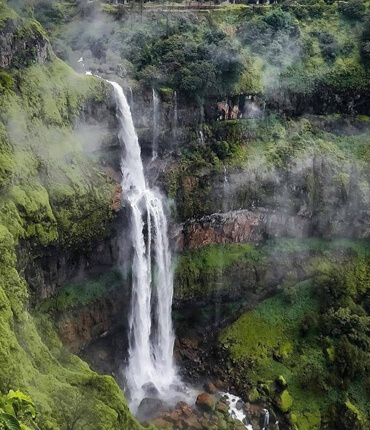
(252, 126)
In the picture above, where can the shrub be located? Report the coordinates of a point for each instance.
(280, 20)
(6, 81)
(351, 362)
(329, 46)
(354, 9)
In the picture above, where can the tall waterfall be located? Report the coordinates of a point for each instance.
(155, 124)
(151, 338)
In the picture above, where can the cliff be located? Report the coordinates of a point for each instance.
(56, 207)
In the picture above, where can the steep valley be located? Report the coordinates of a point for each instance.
(253, 124)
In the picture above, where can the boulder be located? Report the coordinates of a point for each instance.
(239, 405)
(150, 389)
(210, 388)
(205, 402)
(148, 408)
(222, 407)
(192, 423)
(184, 408)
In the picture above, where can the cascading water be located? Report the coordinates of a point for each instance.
(151, 336)
(131, 98)
(155, 124)
(201, 138)
(175, 119)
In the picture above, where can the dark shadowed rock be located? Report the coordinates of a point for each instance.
(148, 408)
(150, 389)
(210, 388)
(239, 405)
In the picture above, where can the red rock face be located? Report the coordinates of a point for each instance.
(233, 227)
(205, 402)
(78, 328)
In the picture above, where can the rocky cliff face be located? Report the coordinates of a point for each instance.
(22, 43)
(312, 196)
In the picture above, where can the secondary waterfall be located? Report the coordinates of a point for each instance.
(175, 119)
(155, 124)
(151, 338)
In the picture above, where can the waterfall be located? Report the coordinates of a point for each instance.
(225, 176)
(201, 138)
(155, 124)
(266, 419)
(151, 336)
(131, 98)
(175, 118)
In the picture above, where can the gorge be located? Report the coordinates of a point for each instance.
(184, 242)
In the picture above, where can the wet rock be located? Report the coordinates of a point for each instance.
(253, 410)
(184, 408)
(239, 405)
(210, 388)
(148, 408)
(174, 416)
(192, 423)
(205, 402)
(221, 385)
(222, 407)
(150, 389)
(162, 424)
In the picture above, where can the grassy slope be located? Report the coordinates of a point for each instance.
(282, 338)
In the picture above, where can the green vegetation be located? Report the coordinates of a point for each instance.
(77, 294)
(296, 54)
(240, 269)
(269, 149)
(216, 269)
(52, 193)
(47, 183)
(318, 347)
(17, 412)
(305, 351)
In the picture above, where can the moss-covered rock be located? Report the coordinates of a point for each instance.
(284, 401)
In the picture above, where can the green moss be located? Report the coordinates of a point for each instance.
(6, 13)
(331, 353)
(209, 269)
(82, 293)
(242, 268)
(254, 395)
(32, 202)
(350, 406)
(295, 340)
(307, 421)
(6, 81)
(285, 401)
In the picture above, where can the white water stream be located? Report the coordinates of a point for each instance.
(151, 337)
(234, 412)
(155, 124)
